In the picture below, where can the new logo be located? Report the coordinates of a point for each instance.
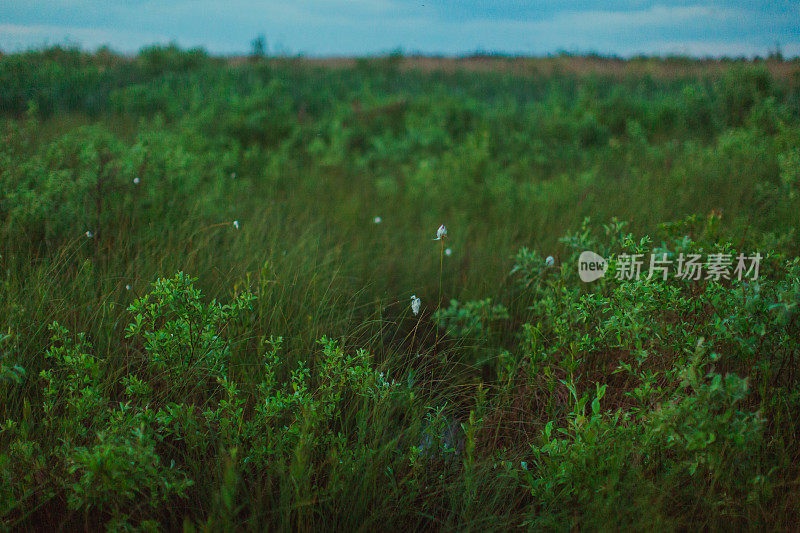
(591, 266)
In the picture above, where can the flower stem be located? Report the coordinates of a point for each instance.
(439, 304)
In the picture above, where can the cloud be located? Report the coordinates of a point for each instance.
(348, 27)
(717, 48)
(17, 37)
(654, 16)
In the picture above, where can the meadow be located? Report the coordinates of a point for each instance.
(223, 307)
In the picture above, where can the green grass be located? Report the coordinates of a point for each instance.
(273, 376)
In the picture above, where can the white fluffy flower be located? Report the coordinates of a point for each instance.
(127, 287)
(88, 234)
(236, 224)
(441, 233)
(448, 251)
(549, 261)
(415, 303)
(136, 181)
(377, 220)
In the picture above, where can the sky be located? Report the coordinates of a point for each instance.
(433, 27)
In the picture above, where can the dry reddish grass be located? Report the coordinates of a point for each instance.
(663, 68)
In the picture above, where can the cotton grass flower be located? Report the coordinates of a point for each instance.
(377, 220)
(127, 287)
(88, 234)
(415, 304)
(136, 181)
(236, 224)
(448, 252)
(549, 261)
(441, 233)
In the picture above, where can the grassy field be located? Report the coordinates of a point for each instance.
(208, 270)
